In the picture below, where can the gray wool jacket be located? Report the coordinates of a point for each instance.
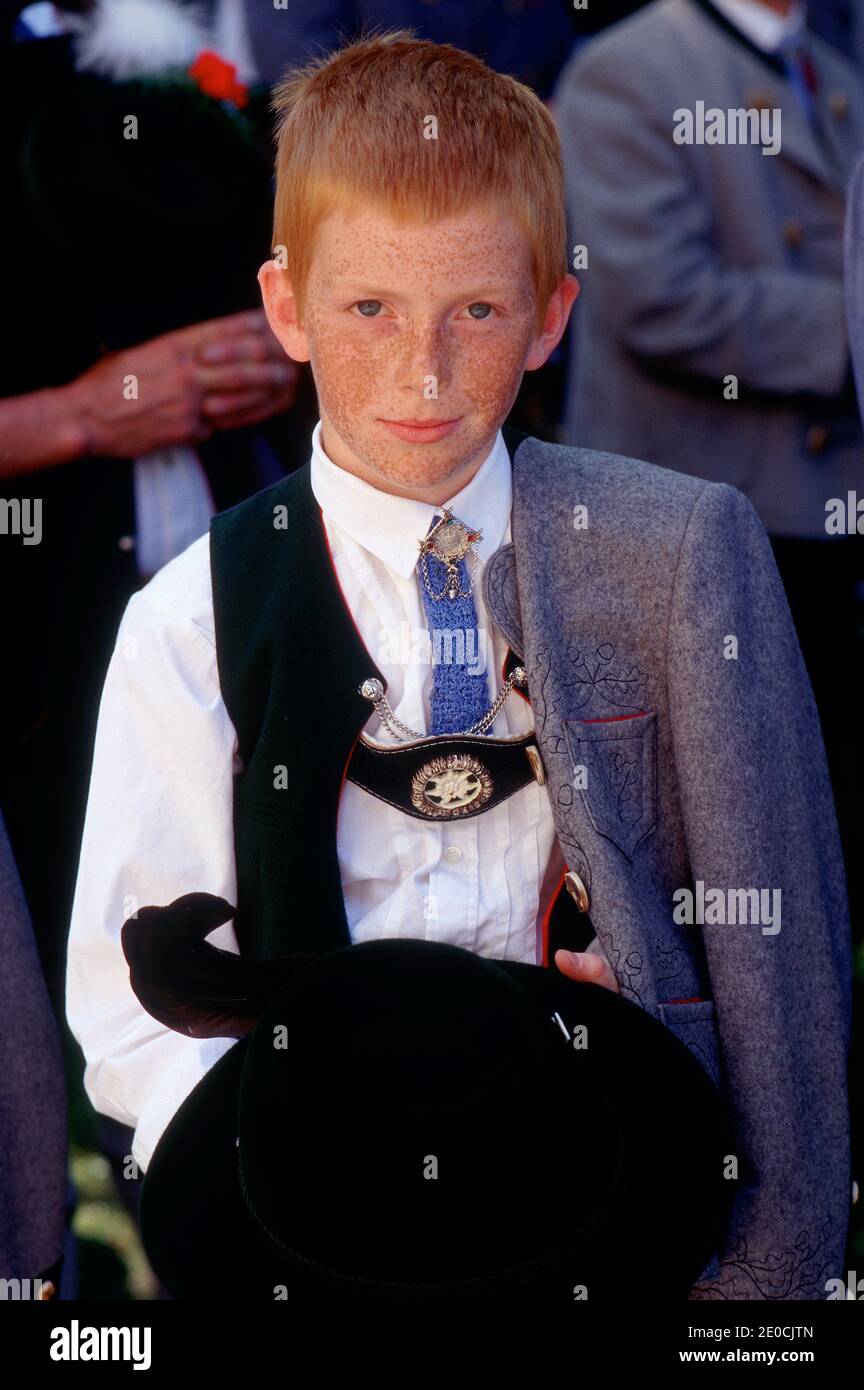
(33, 1132)
(665, 675)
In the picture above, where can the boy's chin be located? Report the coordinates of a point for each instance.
(436, 464)
(416, 459)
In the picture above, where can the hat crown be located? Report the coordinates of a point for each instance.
(407, 1085)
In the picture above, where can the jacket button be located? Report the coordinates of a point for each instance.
(816, 439)
(536, 762)
(838, 104)
(762, 98)
(126, 543)
(793, 232)
(577, 890)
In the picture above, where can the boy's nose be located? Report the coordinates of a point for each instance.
(426, 355)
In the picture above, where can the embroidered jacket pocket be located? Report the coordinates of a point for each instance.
(695, 1024)
(619, 756)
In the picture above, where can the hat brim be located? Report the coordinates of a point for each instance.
(668, 1216)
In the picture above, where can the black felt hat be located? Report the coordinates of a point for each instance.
(408, 1121)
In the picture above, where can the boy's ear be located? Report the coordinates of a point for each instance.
(280, 306)
(561, 301)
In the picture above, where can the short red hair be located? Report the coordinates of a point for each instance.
(351, 130)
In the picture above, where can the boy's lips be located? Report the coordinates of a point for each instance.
(421, 431)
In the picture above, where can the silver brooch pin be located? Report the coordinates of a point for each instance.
(449, 541)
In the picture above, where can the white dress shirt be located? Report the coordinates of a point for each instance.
(173, 505)
(159, 812)
(761, 25)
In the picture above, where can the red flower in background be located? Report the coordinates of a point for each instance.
(216, 78)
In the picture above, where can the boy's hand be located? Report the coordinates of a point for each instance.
(590, 966)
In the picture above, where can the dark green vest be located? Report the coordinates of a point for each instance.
(290, 663)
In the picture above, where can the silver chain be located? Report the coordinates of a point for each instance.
(373, 690)
(452, 578)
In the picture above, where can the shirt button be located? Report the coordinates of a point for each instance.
(453, 854)
(126, 543)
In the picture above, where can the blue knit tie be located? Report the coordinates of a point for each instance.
(460, 691)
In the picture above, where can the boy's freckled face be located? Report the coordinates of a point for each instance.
(390, 307)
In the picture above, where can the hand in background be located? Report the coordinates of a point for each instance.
(216, 375)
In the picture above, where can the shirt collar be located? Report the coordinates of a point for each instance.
(767, 29)
(392, 527)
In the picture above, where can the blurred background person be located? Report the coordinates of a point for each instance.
(33, 1185)
(136, 386)
(141, 389)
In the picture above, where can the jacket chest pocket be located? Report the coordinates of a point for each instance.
(615, 770)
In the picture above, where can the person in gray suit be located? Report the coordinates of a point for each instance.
(33, 1123)
(711, 336)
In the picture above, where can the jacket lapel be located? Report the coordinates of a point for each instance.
(840, 116)
(499, 587)
(583, 679)
(800, 144)
(762, 83)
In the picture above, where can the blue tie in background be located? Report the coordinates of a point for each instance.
(460, 691)
(799, 70)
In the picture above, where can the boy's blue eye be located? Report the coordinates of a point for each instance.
(375, 304)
